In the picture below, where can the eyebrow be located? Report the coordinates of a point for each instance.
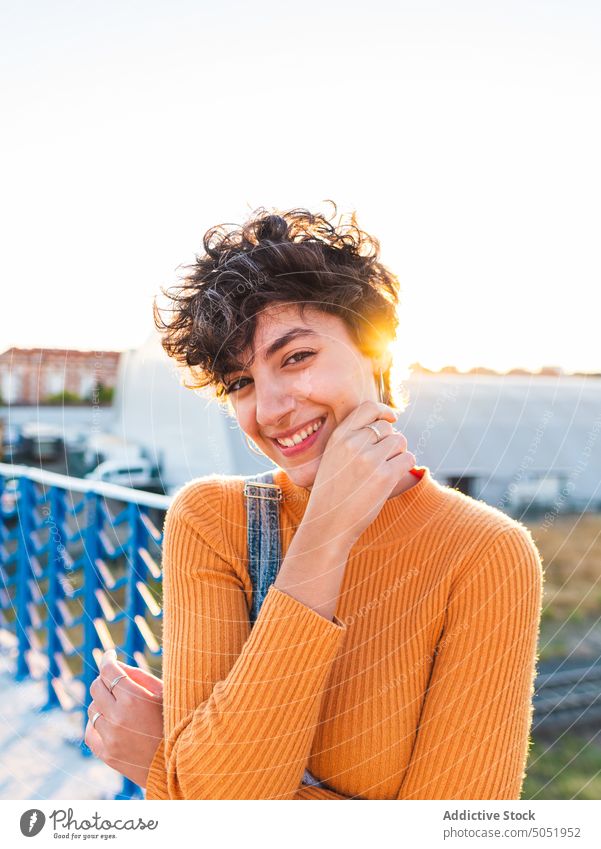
(275, 346)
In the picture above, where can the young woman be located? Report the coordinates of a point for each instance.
(394, 655)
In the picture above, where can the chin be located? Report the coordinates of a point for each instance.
(304, 477)
(306, 481)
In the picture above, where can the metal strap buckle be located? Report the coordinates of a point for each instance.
(271, 486)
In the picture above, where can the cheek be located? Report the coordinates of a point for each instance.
(305, 385)
(339, 391)
(246, 422)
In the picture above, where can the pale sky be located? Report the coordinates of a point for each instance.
(465, 135)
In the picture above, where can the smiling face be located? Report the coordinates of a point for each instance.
(316, 375)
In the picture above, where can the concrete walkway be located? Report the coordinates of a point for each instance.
(40, 756)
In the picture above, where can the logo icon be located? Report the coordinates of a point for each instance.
(32, 822)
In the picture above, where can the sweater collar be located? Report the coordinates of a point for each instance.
(405, 513)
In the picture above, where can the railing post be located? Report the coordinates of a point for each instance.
(91, 605)
(56, 500)
(19, 569)
(134, 604)
(26, 505)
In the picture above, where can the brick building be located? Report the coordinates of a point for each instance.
(31, 375)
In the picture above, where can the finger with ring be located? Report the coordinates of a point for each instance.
(94, 714)
(107, 704)
(114, 682)
(95, 711)
(376, 427)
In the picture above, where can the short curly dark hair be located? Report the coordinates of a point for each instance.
(277, 257)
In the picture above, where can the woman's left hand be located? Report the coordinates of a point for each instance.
(130, 727)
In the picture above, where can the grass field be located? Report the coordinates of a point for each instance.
(567, 768)
(571, 552)
(570, 547)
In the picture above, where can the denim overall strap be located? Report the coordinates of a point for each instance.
(263, 530)
(264, 547)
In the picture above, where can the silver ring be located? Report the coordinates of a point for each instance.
(95, 717)
(376, 431)
(114, 681)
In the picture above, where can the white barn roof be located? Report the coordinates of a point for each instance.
(504, 430)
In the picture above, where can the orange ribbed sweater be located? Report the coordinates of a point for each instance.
(420, 688)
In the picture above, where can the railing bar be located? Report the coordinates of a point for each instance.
(108, 490)
(44, 599)
(148, 598)
(146, 633)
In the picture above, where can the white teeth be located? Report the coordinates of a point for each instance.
(300, 436)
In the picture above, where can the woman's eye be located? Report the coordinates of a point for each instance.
(303, 354)
(235, 386)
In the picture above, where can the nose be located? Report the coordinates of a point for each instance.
(273, 404)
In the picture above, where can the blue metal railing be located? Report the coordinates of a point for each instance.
(83, 576)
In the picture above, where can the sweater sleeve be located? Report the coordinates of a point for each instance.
(157, 781)
(240, 705)
(472, 740)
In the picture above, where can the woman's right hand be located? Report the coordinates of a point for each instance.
(356, 473)
(130, 727)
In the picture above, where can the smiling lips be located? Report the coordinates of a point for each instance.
(298, 437)
(301, 439)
